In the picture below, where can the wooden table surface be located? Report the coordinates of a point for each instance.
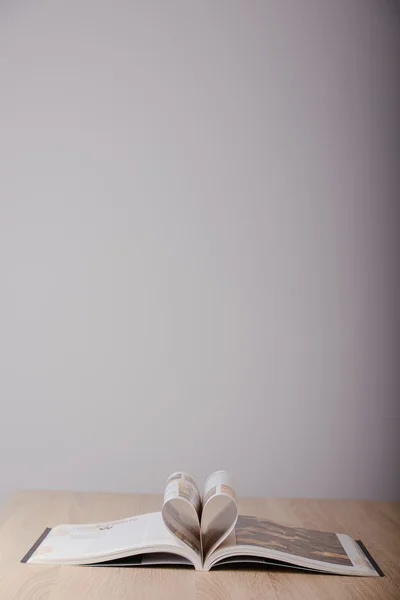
(24, 517)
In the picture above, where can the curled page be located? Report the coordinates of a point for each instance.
(220, 511)
(182, 508)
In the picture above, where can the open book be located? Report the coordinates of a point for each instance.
(201, 531)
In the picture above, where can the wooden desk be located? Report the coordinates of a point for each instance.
(27, 514)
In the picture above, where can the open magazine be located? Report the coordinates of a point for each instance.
(203, 531)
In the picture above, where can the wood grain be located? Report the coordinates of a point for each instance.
(26, 515)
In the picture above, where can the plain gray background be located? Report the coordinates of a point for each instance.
(196, 245)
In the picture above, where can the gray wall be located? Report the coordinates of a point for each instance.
(196, 245)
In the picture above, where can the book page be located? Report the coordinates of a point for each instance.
(182, 508)
(318, 550)
(219, 510)
(305, 543)
(83, 543)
